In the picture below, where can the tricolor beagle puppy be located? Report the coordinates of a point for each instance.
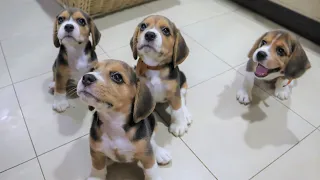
(277, 55)
(72, 29)
(123, 125)
(161, 48)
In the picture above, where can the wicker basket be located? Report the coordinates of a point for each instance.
(101, 7)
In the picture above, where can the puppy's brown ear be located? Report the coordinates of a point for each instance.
(143, 103)
(298, 62)
(95, 33)
(134, 42)
(56, 41)
(180, 49)
(256, 46)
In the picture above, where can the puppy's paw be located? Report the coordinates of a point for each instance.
(60, 105)
(95, 178)
(283, 93)
(178, 128)
(243, 96)
(187, 115)
(163, 156)
(51, 87)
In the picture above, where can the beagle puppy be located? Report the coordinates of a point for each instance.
(276, 56)
(161, 48)
(123, 125)
(72, 29)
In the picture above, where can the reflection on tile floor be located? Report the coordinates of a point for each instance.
(270, 139)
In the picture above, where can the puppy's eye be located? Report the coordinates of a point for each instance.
(280, 51)
(60, 20)
(263, 42)
(116, 77)
(143, 26)
(81, 21)
(166, 31)
(109, 105)
(92, 69)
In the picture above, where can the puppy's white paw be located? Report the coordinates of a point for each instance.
(156, 178)
(163, 156)
(51, 87)
(60, 102)
(178, 128)
(243, 96)
(187, 115)
(95, 178)
(282, 93)
(60, 105)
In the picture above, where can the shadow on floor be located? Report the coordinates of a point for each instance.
(262, 130)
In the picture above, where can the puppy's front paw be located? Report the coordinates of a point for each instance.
(282, 93)
(187, 115)
(60, 105)
(163, 156)
(94, 178)
(243, 96)
(51, 87)
(178, 128)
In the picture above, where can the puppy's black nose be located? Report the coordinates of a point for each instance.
(88, 79)
(69, 28)
(150, 36)
(261, 55)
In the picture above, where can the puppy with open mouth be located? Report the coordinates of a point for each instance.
(161, 48)
(277, 55)
(123, 125)
(72, 29)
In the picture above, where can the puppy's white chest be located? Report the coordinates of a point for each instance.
(158, 89)
(78, 63)
(117, 147)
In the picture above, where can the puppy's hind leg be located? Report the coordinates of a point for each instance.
(99, 163)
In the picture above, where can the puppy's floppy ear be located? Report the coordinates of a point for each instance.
(95, 33)
(298, 62)
(180, 49)
(56, 41)
(134, 42)
(143, 103)
(256, 46)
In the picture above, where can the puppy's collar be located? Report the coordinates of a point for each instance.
(142, 67)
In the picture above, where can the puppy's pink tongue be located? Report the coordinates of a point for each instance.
(261, 71)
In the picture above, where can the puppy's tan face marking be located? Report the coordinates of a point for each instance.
(113, 88)
(273, 52)
(73, 26)
(158, 41)
(276, 45)
(156, 38)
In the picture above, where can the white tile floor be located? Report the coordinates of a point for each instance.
(270, 139)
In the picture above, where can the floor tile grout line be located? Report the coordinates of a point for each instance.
(280, 101)
(37, 156)
(282, 154)
(198, 158)
(198, 43)
(46, 152)
(6, 86)
(24, 119)
(210, 78)
(17, 165)
(31, 77)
